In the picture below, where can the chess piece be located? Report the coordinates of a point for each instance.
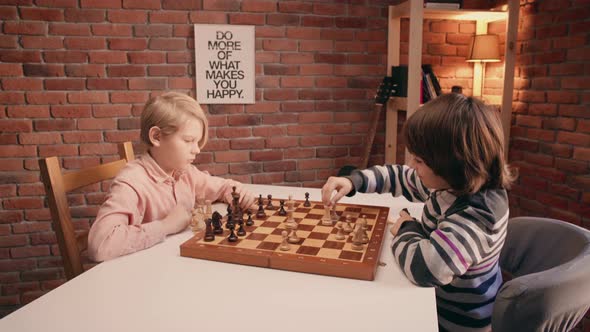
(340, 235)
(327, 218)
(282, 211)
(197, 220)
(307, 203)
(249, 222)
(232, 235)
(285, 244)
(357, 239)
(363, 230)
(209, 235)
(208, 209)
(290, 221)
(347, 227)
(269, 205)
(216, 221)
(293, 238)
(333, 215)
(260, 213)
(241, 230)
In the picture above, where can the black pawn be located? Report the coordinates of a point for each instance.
(241, 230)
(307, 203)
(260, 213)
(249, 222)
(269, 205)
(282, 211)
(232, 236)
(209, 235)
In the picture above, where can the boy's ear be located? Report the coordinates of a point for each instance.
(155, 135)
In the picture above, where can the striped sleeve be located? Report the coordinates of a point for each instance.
(433, 260)
(396, 179)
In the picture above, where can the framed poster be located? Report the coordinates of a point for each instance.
(225, 57)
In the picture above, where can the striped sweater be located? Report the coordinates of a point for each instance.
(455, 246)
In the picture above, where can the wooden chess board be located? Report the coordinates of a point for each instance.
(317, 252)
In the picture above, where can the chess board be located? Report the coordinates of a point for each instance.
(317, 252)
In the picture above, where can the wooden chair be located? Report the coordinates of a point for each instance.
(57, 184)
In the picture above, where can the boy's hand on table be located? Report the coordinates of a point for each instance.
(404, 216)
(177, 220)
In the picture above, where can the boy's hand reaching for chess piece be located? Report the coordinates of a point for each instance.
(342, 186)
(247, 198)
(404, 216)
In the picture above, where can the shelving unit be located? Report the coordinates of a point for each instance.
(413, 9)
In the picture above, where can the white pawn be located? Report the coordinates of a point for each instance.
(293, 238)
(347, 227)
(340, 235)
(327, 219)
(285, 245)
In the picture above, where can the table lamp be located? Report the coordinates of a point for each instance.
(482, 49)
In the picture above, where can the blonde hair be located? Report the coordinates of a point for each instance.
(462, 141)
(168, 112)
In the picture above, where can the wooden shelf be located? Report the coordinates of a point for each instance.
(415, 11)
(403, 10)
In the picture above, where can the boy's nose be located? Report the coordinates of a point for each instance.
(196, 149)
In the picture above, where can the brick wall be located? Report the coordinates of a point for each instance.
(75, 74)
(550, 134)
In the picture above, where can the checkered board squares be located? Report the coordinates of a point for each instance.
(317, 252)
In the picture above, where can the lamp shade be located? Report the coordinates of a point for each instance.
(484, 48)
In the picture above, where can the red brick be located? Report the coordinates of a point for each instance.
(315, 141)
(247, 18)
(127, 16)
(281, 142)
(129, 97)
(126, 71)
(70, 111)
(168, 17)
(89, 70)
(41, 14)
(159, 30)
(84, 43)
(147, 84)
(69, 29)
(107, 84)
(571, 166)
(268, 178)
(168, 70)
(315, 164)
(22, 84)
(84, 15)
(10, 69)
(61, 150)
(121, 136)
(88, 97)
(297, 82)
(266, 155)
(259, 6)
(280, 166)
(111, 30)
(208, 17)
(573, 138)
(39, 138)
(279, 45)
(46, 97)
(579, 111)
(25, 28)
(102, 111)
(20, 56)
(65, 84)
(245, 168)
(24, 252)
(57, 57)
(231, 156)
(543, 109)
(114, 4)
(578, 83)
(54, 125)
(142, 4)
(22, 203)
(108, 57)
(95, 124)
(127, 43)
(315, 94)
(13, 241)
(8, 13)
(562, 97)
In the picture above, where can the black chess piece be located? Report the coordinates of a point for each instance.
(209, 235)
(249, 222)
(260, 199)
(260, 213)
(269, 205)
(282, 211)
(216, 221)
(232, 235)
(241, 230)
(307, 203)
(230, 219)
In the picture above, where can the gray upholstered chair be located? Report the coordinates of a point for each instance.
(550, 264)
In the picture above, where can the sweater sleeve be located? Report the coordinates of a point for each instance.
(118, 228)
(211, 187)
(396, 179)
(435, 259)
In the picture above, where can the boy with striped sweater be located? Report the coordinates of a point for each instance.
(458, 170)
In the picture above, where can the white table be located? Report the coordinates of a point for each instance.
(157, 290)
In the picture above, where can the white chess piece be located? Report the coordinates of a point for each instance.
(327, 219)
(348, 226)
(285, 245)
(340, 235)
(293, 238)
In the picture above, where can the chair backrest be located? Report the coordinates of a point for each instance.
(550, 262)
(57, 184)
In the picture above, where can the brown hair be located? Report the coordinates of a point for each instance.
(168, 112)
(462, 141)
